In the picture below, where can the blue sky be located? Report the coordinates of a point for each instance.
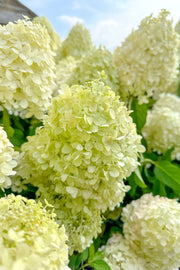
(109, 21)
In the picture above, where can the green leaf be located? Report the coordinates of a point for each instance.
(85, 254)
(138, 179)
(75, 261)
(91, 252)
(18, 138)
(7, 125)
(99, 255)
(168, 174)
(100, 265)
(139, 114)
(179, 90)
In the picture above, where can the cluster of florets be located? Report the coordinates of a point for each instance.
(85, 150)
(8, 160)
(152, 229)
(77, 43)
(162, 127)
(55, 39)
(147, 60)
(29, 237)
(26, 68)
(120, 256)
(93, 63)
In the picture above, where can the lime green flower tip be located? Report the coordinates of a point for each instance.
(152, 229)
(163, 134)
(147, 60)
(29, 237)
(77, 43)
(8, 160)
(26, 68)
(120, 256)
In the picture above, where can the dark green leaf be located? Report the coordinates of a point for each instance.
(168, 174)
(99, 255)
(91, 252)
(139, 114)
(75, 262)
(85, 254)
(100, 265)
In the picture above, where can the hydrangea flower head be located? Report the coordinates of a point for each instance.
(87, 147)
(93, 63)
(147, 60)
(55, 41)
(26, 68)
(8, 160)
(77, 43)
(120, 256)
(29, 237)
(152, 228)
(162, 127)
(82, 223)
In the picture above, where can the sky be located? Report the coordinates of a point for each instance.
(109, 21)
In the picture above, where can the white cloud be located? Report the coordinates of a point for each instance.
(71, 20)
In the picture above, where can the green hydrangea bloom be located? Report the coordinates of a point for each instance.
(163, 134)
(89, 67)
(152, 229)
(29, 237)
(87, 146)
(26, 68)
(8, 160)
(147, 60)
(55, 39)
(77, 43)
(120, 256)
(85, 150)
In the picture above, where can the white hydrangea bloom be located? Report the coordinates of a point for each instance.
(26, 68)
(147, 60)
(8, 160)
(162, 128)
(29, 237)
(120, 256)
(152, 229)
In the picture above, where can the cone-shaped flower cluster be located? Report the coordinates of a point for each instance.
(85, 150)
(152, 229)
(94, 62)
(8, 159)
(55, 39)
(162, 128)
(29, 237)
(77, 43)
(26, 68)
(147, 61)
